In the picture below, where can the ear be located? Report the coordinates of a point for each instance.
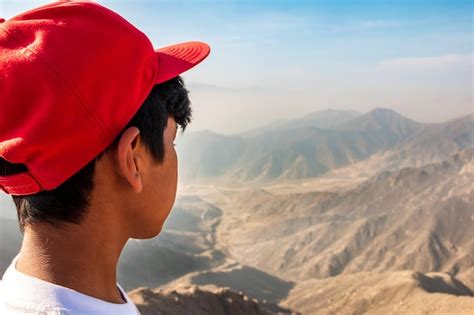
(129, 158)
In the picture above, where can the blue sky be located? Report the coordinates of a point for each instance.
(282, 59)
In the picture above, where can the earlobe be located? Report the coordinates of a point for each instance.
(128, 158)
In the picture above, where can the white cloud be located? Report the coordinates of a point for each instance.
(443, 62)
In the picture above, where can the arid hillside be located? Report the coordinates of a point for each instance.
(401, 292)
(199, 301)
(415, 218)
(383, 223)
(414, 224)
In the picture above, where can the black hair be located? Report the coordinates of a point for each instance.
(69, 201)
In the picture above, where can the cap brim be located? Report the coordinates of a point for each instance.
(176, 59)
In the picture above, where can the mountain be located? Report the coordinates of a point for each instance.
(199, 301)
(431, 144)
(436, 142)
(388, 125)
(414, 218)
(299, 153)
(388, 245)
(240, 278)
(287, 154)
(400, 292)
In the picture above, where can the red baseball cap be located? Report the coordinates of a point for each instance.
(72, 75)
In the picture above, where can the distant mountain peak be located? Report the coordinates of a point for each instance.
(386, 113)
(383, 109)
(383, 119)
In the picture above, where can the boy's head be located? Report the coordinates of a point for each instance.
(139, 169)
(95, 126)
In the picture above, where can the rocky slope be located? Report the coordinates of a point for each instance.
(432, 143)
(414, 218)
(401, 292)
(199, 301)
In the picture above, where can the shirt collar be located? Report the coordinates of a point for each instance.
(21, 289)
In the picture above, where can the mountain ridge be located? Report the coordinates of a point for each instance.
(277, 155)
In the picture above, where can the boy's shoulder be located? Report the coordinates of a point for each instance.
(23, 294)
(16, 306)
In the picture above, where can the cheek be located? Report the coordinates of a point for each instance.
(174, 172)
(167, 179)
(170, 165)
(175, 163)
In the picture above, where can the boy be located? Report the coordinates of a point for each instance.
(89, 112)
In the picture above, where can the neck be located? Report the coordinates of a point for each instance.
(83, 258)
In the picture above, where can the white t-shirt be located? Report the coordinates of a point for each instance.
(23, 294)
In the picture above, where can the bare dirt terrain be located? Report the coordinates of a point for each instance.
(398, 242)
